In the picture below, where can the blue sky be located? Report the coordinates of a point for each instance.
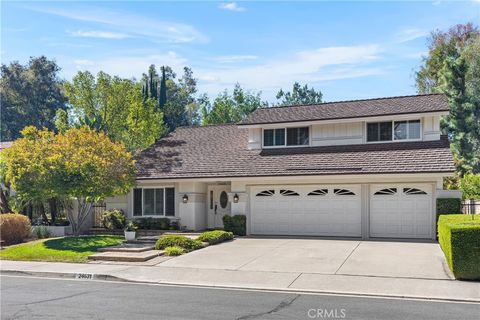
(348, 50)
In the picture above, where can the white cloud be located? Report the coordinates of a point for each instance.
(409, 34)
(131, 66)
(331, 63)
(99, 34)
(83, 63)
(231, 6)
(134, 25)
(234, 58)
(308, 66)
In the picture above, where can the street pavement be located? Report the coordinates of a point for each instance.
(24, 297)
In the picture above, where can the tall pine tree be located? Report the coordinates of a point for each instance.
(162, 100)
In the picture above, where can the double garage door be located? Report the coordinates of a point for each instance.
(396, 211)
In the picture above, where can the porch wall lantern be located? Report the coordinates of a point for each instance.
(235, 198)
(185, 198)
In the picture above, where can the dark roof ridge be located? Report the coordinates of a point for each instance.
(352, 100)
(194, 126)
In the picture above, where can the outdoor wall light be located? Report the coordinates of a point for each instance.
(185, 198)
(235, 198)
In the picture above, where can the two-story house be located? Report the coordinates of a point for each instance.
(367, 168)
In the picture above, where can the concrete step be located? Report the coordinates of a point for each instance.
(129, 247)
(126, 256)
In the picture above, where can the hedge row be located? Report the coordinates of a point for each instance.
(449, 206)
(459, 238)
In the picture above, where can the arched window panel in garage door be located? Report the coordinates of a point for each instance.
(288, 193)
(266, 193)
(318, 192)
(413, 191)
(386, 191)
(343, 192)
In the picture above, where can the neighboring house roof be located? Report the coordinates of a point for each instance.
(5, 144)
(221, 151)
(349, 109)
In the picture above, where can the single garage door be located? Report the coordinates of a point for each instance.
(401, 211)
(306, 210)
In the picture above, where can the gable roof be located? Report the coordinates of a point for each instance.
(221, 151)
(349, 109)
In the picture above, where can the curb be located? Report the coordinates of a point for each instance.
(110, 278)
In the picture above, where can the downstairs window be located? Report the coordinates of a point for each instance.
(154, 202)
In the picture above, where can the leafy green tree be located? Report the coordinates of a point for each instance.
(442, 46)
(230, 108)
(299, 96)
(115, 106)
(461, 84)
(61, 121)
(175, 97)
(30, 95)
(181, 107)
(81, 164)
(470, 185)
(452, 67)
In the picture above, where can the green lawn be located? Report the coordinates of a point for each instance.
(67, 249)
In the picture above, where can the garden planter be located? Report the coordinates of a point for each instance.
(130, 235)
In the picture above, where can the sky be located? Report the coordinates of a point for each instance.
(348, 50)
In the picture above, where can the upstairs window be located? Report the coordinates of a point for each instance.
(393, 130)
(297, 136)
(273, 137)
(379, 131)
(406, 130)
(286, 137)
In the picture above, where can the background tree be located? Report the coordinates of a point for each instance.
(81, 164)
(230, 108)
(30, 95)
(299, 96)
(25, 167)
(116, 107)
(442, 46)
(452, 67)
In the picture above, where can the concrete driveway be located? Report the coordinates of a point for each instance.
(340, 257)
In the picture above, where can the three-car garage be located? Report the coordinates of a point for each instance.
(348, 210)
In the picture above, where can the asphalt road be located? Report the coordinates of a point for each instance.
(44, 298)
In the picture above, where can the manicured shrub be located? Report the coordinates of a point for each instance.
(178, 241)
(113, 219)
(236, 224)
(42, 232)
(174, 225)
(215, 236)
(459, 238)
(174, 251)
(14, 228)
(449, 206)
(153, 223)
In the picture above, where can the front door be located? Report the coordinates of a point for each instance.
(218, 205)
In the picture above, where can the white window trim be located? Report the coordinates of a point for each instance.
(393, 130)
(285, 144)
(164, 202)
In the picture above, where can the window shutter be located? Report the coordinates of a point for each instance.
(169, 201)
(137, 202)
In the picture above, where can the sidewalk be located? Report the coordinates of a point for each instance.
(288, 281)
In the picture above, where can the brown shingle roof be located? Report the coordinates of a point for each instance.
(349, 109)
(221, 151)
